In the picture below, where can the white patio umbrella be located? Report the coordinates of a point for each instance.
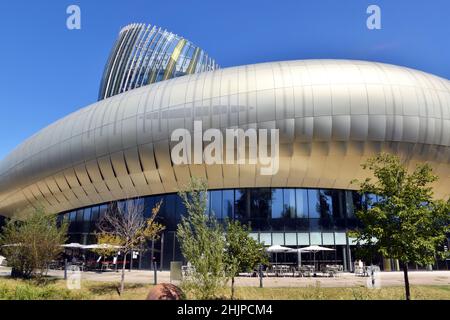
(102, 246)
(315, 249)
(73, 246)
(11, 245)
(277, 248)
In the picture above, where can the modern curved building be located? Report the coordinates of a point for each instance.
(332, 115)
(145, 54)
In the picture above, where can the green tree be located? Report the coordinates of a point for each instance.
(31, 244)
(109, 245)
(243, 253)
(407, 223)
(127, 227)
(202, 243)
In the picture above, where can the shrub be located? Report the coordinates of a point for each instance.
(33, 243)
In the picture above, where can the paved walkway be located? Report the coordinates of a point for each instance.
(343, 280)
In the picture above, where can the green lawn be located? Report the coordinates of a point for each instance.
(356, 293)
(11, 289)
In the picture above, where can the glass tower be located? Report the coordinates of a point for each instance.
(145, 54)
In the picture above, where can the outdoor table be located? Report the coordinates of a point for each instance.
(332, 270)
(105, 265)
(281, 270)
(306, 270)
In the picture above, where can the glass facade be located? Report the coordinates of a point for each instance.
(145, 54)
(285, 216)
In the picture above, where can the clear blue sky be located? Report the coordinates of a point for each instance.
(47, 71)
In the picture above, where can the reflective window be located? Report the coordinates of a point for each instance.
(351, 202)
(87, 215)
(302, 224)
(289, 203)
(297, 212)
(340, 238)
(316, 238)
(314, 203)
(140, 203)
(315, 224)
(216, 203)
(302, 203)
(369, 200)
(121, 206)
(260, 203)
(208, 203)
(326, 208)
(103, 210)
(170, 210)
(277, 203)
(278, 238)
(254, 236)
(149, 204)
(95, 213)
(242, 204)
(290, 239)
(79, 215)
(181, 209)
(326, 203)
(337, 204)
(328, 239)
(303, 239)
(228, 204)
(265, 238)
(162, 210)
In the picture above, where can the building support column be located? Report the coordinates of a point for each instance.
(344, 258)
(386, 264)
(152, 255)
(161, 260)
(397, 265)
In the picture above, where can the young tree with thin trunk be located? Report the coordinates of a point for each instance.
(126, 223)
(242, 252)
(202, 244)
(406, 223)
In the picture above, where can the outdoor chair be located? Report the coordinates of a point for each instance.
(306, 271)
(187, 271)
(359, 271)
(105, 266)
(332, 270)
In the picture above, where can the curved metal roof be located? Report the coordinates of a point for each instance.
(332, 114)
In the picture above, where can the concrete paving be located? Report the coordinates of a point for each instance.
(343, 280)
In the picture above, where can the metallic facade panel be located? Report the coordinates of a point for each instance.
(332, 115)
